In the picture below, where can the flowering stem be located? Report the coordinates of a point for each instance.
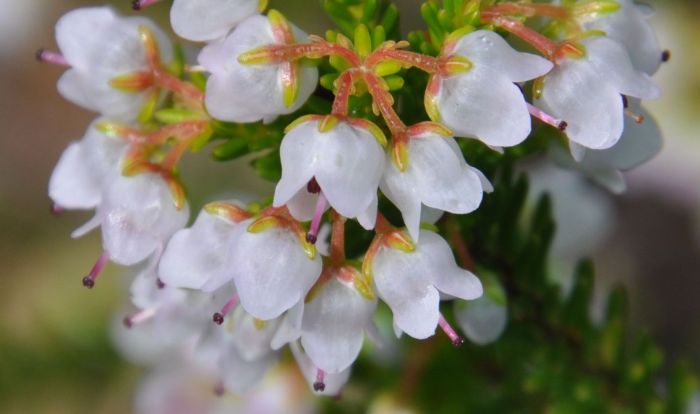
(425, 63)
(338, 238)
(192, 97)
(342, 95)
(384, 103)
(287, 53)
(529, 10)
(544, 45)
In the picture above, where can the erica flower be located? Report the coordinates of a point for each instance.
(197, 257)
(101, 49)
(480, 99)
(137, 216)
(82, 172)
(336, 315)
(640, 141)
(409, 278)
(436, 176)
(345, 160)
(248, 92)
(273, 267)
(202, 20)
(585, 92)
(629, 26)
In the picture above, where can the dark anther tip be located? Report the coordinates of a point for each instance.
(160, 284)
(625, 102)
(39, 55)
(319, 386)
(218, 318)
(457, 342)
(127, 322)
(219, 390)
(88, 282)
(311, 238)
(313, 187)
(666, 55)
(563, 125)
(136, 5)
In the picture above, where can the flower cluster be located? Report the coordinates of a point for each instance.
(266, 271)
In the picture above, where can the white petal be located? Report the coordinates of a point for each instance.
(484, 47)
(79, 33)
(611, 179)
(248, 93)
(139, 215)
(198, 254)
(75, 87)
(610, 58)
(240, 375)
(251, 340)
(299, 154)
(333, 382)
(440, 178)
(446, 275)
(638, 144)
(271, 271)
(72, 186)
(348, 167)
(289, 329)
(201, 20)
(629, 27)
(406, 201)
(404, 283)
(575, 92)
(369, 217)
(88, 226)
(486, 105)
(482, 320)
(333, 325)
(303, 204)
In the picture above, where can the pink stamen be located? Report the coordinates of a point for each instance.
(51, 57)
(56, 209)
(450, 332)
(89, 280)
(638, 118)
(312, 235)
(546, 118)
(218, 317)
(219, 389)
(140, 317)
(141, 4)
(320, 385)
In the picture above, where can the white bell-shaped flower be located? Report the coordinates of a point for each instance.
(484, 319)
(272, 269)
(411, 282)
(333, 327)
(82, 172)
(137, 217)
(101, 46)
(197, 256)
(638, 144)
(436, 176)
(629, 25)
(585, 92)
(346, 161)
(482, 101)
(240, 92)
(203, 20)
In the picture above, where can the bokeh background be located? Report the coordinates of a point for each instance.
(55, 351)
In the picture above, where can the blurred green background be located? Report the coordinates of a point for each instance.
(55, 353)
